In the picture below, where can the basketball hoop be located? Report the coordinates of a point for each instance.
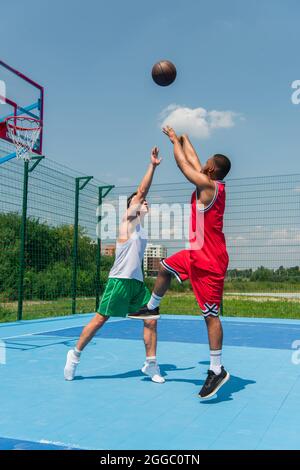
(23, 131)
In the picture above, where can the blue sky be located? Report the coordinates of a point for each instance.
(102, 108)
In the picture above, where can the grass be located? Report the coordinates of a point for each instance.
(176, 303)
(235, 306)
(45, 308)
(239, 285)
(261, 286)
(180, 300)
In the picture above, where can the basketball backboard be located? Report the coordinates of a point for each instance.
(19, 95)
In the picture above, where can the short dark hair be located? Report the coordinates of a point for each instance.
(129, 199)
(223, 165)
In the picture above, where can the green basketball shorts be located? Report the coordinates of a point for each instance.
(123, 296)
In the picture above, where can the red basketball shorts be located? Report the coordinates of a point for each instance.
(207, 286)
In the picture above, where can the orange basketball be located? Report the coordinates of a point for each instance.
(164, 73)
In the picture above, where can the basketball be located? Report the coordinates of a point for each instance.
(164, 73)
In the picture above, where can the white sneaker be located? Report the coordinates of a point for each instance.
(71, 365)
(152, 370)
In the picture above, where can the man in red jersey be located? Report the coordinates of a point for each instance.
(205, 262)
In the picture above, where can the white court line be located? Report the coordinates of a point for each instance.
(58, 443)
(18, 336)
(45, 332)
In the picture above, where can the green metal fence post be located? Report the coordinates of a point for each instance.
(102, 193)
(27, 169)
(78, 187)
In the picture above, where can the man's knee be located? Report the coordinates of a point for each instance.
(151, 324)
(163, 271)
(212, 319)
(99, 319)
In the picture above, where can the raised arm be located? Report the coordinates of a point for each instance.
(145, 184)
(190, 152)
(130, 218)
(199, 179)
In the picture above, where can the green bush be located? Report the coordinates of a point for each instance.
(48, 260)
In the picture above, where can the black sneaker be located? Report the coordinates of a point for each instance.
(145, 314)
(213, 383)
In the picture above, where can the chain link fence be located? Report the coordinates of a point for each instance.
(262, 228)
(50, 254)
(261, 224)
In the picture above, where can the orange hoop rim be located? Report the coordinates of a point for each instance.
(23, 128)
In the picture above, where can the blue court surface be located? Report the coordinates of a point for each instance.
(111, 405)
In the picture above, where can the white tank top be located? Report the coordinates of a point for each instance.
(129, 256)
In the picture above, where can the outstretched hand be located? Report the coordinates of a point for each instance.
(155, 160)
(169, 131)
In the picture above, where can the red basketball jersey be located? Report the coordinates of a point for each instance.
(206, 225)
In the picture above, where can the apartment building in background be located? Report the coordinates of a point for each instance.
(108, 250)
(153, 255)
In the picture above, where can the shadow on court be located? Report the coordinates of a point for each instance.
(164, 368)
(234, 385)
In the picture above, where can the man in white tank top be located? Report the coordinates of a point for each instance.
(125, 291)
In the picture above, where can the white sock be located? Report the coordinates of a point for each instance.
(154, 301)
(77, 352)
(215, 361)
(150, 359)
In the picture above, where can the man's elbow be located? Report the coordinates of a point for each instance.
(141, 192)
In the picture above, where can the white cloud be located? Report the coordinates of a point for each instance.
(284, 236)
(197, 122)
